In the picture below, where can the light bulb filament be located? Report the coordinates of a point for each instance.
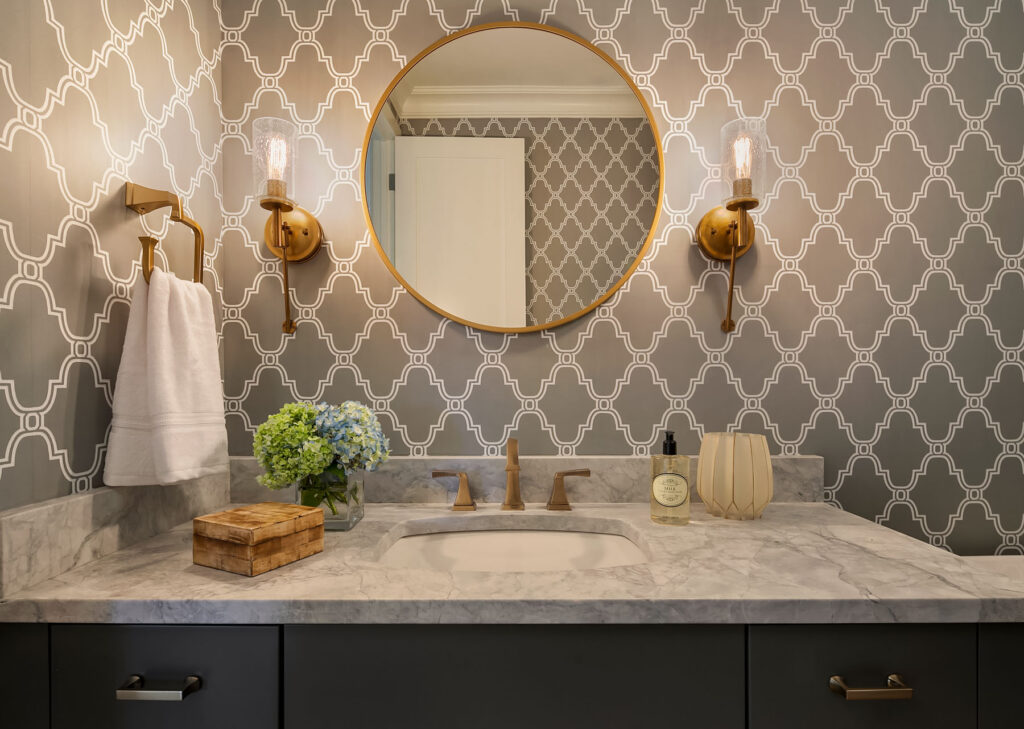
(741, 156)
(277, 158)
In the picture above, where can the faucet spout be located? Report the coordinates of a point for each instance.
(513, 498)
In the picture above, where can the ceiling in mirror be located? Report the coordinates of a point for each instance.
(512, 177)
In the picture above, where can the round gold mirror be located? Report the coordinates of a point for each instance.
(512, 177)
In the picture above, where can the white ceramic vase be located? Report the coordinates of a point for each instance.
(734, 474)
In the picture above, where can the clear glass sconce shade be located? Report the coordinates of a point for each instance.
(744, 149)
(273, 157)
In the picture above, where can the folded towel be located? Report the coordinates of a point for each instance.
(168, 422)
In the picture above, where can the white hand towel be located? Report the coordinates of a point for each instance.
(168, 422)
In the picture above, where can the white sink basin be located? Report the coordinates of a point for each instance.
(512, 551)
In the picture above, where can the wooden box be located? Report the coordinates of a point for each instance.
(251, 540)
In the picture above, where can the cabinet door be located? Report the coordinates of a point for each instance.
(237, 666)
(1000, 675)
(790, 666)
(24, 676)
(505, 676)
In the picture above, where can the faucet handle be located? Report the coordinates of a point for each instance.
(463, 501)
(559, 501)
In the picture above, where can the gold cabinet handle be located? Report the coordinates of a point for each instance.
(895, 689)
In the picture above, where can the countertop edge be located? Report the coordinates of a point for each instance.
(725, 611)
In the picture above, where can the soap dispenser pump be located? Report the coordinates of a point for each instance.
(670, 486)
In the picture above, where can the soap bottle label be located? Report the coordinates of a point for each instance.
(670, 489)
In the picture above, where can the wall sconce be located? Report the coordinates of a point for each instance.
(726, 232)
(292, 234)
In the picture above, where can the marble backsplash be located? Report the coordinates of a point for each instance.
(47, 539)
(613, 479)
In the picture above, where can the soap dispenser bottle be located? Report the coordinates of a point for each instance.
(670, 487)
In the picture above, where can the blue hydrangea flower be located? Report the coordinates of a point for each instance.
(354, 435)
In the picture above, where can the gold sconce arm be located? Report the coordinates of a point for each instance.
(294, 235)
(284, 234)
(726, 235)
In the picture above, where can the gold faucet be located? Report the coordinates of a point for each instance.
(513, 500)
(558, 501)
(463, 501)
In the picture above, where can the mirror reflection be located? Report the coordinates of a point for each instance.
(512, 178)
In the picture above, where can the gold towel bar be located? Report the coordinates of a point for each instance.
(145, 200)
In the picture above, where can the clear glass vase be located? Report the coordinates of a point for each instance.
(340, 497)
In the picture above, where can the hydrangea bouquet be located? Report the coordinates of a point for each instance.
(316, 446)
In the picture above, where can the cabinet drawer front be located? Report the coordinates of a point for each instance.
(237, 667)
(513, 676)
(790, 666)
(24, 676)
(1000, 674)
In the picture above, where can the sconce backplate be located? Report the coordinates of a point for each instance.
(306, 235)
(715, 233)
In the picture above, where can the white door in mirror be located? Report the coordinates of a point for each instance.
(460, 225)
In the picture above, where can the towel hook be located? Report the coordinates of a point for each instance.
(145, 200)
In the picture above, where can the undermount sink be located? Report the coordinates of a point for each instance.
(505, 550)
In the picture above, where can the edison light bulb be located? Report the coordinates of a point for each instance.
(277, 158)
(741, 156)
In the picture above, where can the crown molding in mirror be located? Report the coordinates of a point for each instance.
(595, 102)
(384, 101)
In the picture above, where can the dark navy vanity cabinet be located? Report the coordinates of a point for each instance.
(1000, 675)
(790, 667)
(24, 676)
(237, 667)
(515, 676)
(497, 676)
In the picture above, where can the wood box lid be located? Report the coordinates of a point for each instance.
(257, 523)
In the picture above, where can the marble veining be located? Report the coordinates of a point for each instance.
(43, 540)
(800, 563)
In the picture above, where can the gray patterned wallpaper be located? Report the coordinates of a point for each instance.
(879, 316)
(90, 96)
(879, 321)
(591, 194)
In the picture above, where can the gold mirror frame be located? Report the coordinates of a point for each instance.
(657, 143)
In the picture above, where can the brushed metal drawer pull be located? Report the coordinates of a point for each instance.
(895, 689)
(136, 688)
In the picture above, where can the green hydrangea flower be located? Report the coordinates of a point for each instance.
(289, 448)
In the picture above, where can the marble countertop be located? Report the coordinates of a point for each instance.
(800, 563)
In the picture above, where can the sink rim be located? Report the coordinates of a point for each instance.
(512, 521)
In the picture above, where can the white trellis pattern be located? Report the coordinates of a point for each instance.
(879, 316)
(91, 97)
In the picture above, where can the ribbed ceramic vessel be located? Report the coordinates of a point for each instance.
(734, 474)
